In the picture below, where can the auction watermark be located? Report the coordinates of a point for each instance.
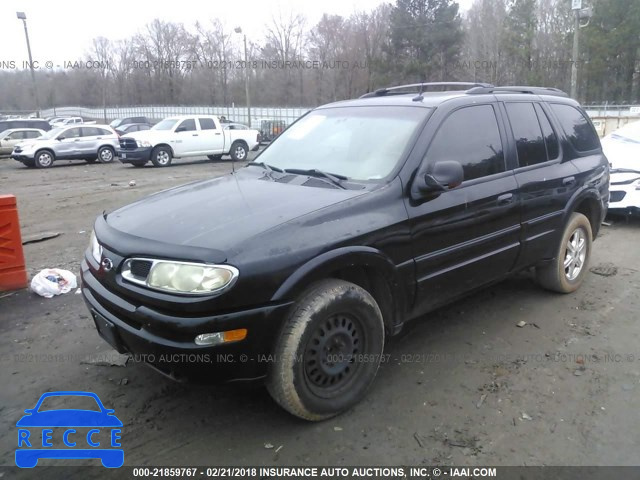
(188, 65)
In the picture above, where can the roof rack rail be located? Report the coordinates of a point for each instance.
(420, 87)
(519, 89)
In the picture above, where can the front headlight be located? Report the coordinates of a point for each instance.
(179, 277)
(96, 248)
(143, 143)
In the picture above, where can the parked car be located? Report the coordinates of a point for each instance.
(53, 120)
(24, 123)
(361, 216)
(622, 148)
(132, 127)
(118, 122)
(86, 142)
(186, 136)
(270, 129)
(10, 138)
(71, 121)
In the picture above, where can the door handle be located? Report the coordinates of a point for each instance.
(218, 134)
(194, 135)
(568, 181)
(505, 199)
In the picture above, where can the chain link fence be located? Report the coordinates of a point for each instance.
(156, 113)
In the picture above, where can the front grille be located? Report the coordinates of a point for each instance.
(616, 196)
(141, 268)
(128, 144)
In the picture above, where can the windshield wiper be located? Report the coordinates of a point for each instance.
(266, 166)
(623, 170)
(334, 178)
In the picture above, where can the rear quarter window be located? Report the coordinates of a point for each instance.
(577, 127)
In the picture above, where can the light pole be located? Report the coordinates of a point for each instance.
(246, 75)
(22, 16)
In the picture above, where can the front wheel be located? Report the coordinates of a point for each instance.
(161, 157)
(239, 151)
(44, 159)
(566, 272)
(106, 154)
(328, 351)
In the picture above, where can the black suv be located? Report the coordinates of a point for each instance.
(361, 216)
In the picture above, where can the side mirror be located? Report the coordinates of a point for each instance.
(443, 176)
(6, 138)
(60, 138)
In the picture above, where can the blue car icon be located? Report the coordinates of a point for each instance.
(35, 430)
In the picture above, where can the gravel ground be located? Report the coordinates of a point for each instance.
(465, 386)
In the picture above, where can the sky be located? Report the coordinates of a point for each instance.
(63, 30)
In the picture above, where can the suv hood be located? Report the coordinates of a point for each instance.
(221, 213)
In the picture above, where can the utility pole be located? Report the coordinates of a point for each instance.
(576, 6)
(246, 76)
(22, 16)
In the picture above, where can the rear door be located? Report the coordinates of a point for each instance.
(467, 236)
(211, 138)
(546, 180)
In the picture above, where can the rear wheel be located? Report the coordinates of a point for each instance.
(239, 151)
(161, 156)
(328, 351)
(106, 154)
(43, 159)
(566, 272)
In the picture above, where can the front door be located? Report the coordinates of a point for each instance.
(468, 235)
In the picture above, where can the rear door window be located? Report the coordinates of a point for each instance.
(550, 137)
(581, 133)
(207, 124)
(470, 136)
(527, 133)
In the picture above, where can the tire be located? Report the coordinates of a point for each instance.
(106, 154)
(214, 157)
(239, 151)
(566, 272)
(161, 156)
(341, 320)
(44, 159)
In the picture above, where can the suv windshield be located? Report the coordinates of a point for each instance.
(361, 143)
(165, 124)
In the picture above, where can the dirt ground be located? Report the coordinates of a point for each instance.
(465, 386)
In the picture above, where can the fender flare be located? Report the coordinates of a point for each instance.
(323, 265)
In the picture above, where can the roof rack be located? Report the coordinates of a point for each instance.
(420, 87)
(516, 89)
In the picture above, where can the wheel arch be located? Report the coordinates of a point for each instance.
(589, 204)
(164, 145)
(366, 267)
(44, 149)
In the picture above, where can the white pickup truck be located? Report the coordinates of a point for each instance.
(65, 122)
(186, 136)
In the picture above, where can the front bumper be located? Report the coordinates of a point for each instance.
(137, 155)
(166, 342)
(22, 157)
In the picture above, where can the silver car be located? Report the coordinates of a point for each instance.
(85, 142)
(10, 138)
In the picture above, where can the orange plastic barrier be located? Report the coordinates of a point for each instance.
(13, 274)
